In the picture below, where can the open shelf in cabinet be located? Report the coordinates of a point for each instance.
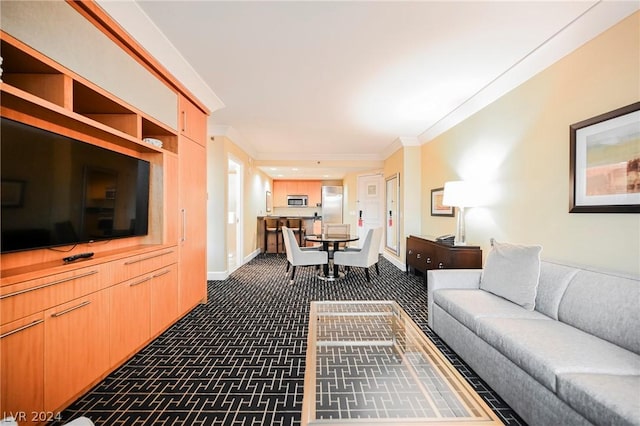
(34, 76)
(33, 86)
(96, 106)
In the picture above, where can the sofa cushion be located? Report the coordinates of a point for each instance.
(602, 398)
(512, 271)
(545, 349)
(468, 305)
(604, 305)
(554, 280)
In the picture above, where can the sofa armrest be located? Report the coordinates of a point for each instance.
(449, 278)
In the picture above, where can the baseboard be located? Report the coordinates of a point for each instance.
(217, 275)
(252, 255)
(223, 275)
(395, 261)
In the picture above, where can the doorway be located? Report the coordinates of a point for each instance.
(234, 215)
(370, 205)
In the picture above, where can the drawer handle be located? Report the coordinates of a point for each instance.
(419, 255)
(440, 265)
(144, 280)
(75, 277)
(159, 274)
(19, 329)
(428, 260)
(66, 311)
(142, 259)
(410, 251)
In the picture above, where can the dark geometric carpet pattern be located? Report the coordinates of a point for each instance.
(239, 360)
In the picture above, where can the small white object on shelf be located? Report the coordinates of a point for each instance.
(153, 141)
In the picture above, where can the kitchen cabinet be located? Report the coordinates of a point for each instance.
(76, 349)
(424, 253)
(282, 188)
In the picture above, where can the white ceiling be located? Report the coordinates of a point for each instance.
(343, 82)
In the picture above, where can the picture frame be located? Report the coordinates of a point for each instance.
(604, 162)
(437, 209)
(269, 202)
(12, 193)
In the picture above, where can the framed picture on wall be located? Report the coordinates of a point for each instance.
(605, 163)
(437, 209)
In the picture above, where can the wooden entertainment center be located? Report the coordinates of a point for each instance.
(65, 326)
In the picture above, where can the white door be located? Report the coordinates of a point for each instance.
(370, 205)
(234, 215)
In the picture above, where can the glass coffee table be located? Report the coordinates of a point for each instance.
(369, 363)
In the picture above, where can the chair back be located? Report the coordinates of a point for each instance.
(287, 242)
(336, 229)
(372, 245)
(271, 224)
(295, 224)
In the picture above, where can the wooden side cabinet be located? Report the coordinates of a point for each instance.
(424, 253)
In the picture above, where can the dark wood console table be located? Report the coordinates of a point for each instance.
(424, 253)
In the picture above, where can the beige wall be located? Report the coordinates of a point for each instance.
(255, 184)
(518, 148)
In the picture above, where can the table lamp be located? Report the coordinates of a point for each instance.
(458, 194)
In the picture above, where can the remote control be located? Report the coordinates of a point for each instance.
(77, 256)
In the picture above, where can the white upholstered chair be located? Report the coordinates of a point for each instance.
(364, 257)
(336, 229)
(296, 256)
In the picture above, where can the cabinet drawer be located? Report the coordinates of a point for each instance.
(134, 266)
(420, 256)
(29, 297)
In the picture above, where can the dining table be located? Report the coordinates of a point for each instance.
(330, 244)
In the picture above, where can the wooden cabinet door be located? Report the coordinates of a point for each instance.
(130, 317)
(193, 229)
(164, 298)
(193, 122)
(171, 213)
(314, 189)
(22, 368)
(76, 347)
(279, 193)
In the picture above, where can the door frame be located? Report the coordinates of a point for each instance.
(239, 210)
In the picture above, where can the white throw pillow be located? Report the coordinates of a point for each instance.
(512, 271)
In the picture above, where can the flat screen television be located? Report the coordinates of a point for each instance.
(61, 191)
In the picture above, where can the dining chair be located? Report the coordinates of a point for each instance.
(364, 257)
(296, 226)
(271, 226)
(337, 229)
(297, 256)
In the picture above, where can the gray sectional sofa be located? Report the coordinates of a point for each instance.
(573, 358)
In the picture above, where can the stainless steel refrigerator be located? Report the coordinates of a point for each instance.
(331, 204)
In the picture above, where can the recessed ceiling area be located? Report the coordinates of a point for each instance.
(348, 82)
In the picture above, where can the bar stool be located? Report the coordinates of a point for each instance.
(296, 226)
(271, 226)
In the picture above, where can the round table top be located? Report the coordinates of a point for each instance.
(331, 238)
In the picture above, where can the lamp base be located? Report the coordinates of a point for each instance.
(461, 237)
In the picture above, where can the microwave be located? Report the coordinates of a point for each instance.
(297, 200)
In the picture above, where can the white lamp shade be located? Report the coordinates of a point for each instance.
(458, 193)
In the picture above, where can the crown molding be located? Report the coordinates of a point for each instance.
(601, 16)
(130, 16)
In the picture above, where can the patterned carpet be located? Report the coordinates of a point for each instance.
(240, 359)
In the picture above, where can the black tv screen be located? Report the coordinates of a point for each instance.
(60, 191)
